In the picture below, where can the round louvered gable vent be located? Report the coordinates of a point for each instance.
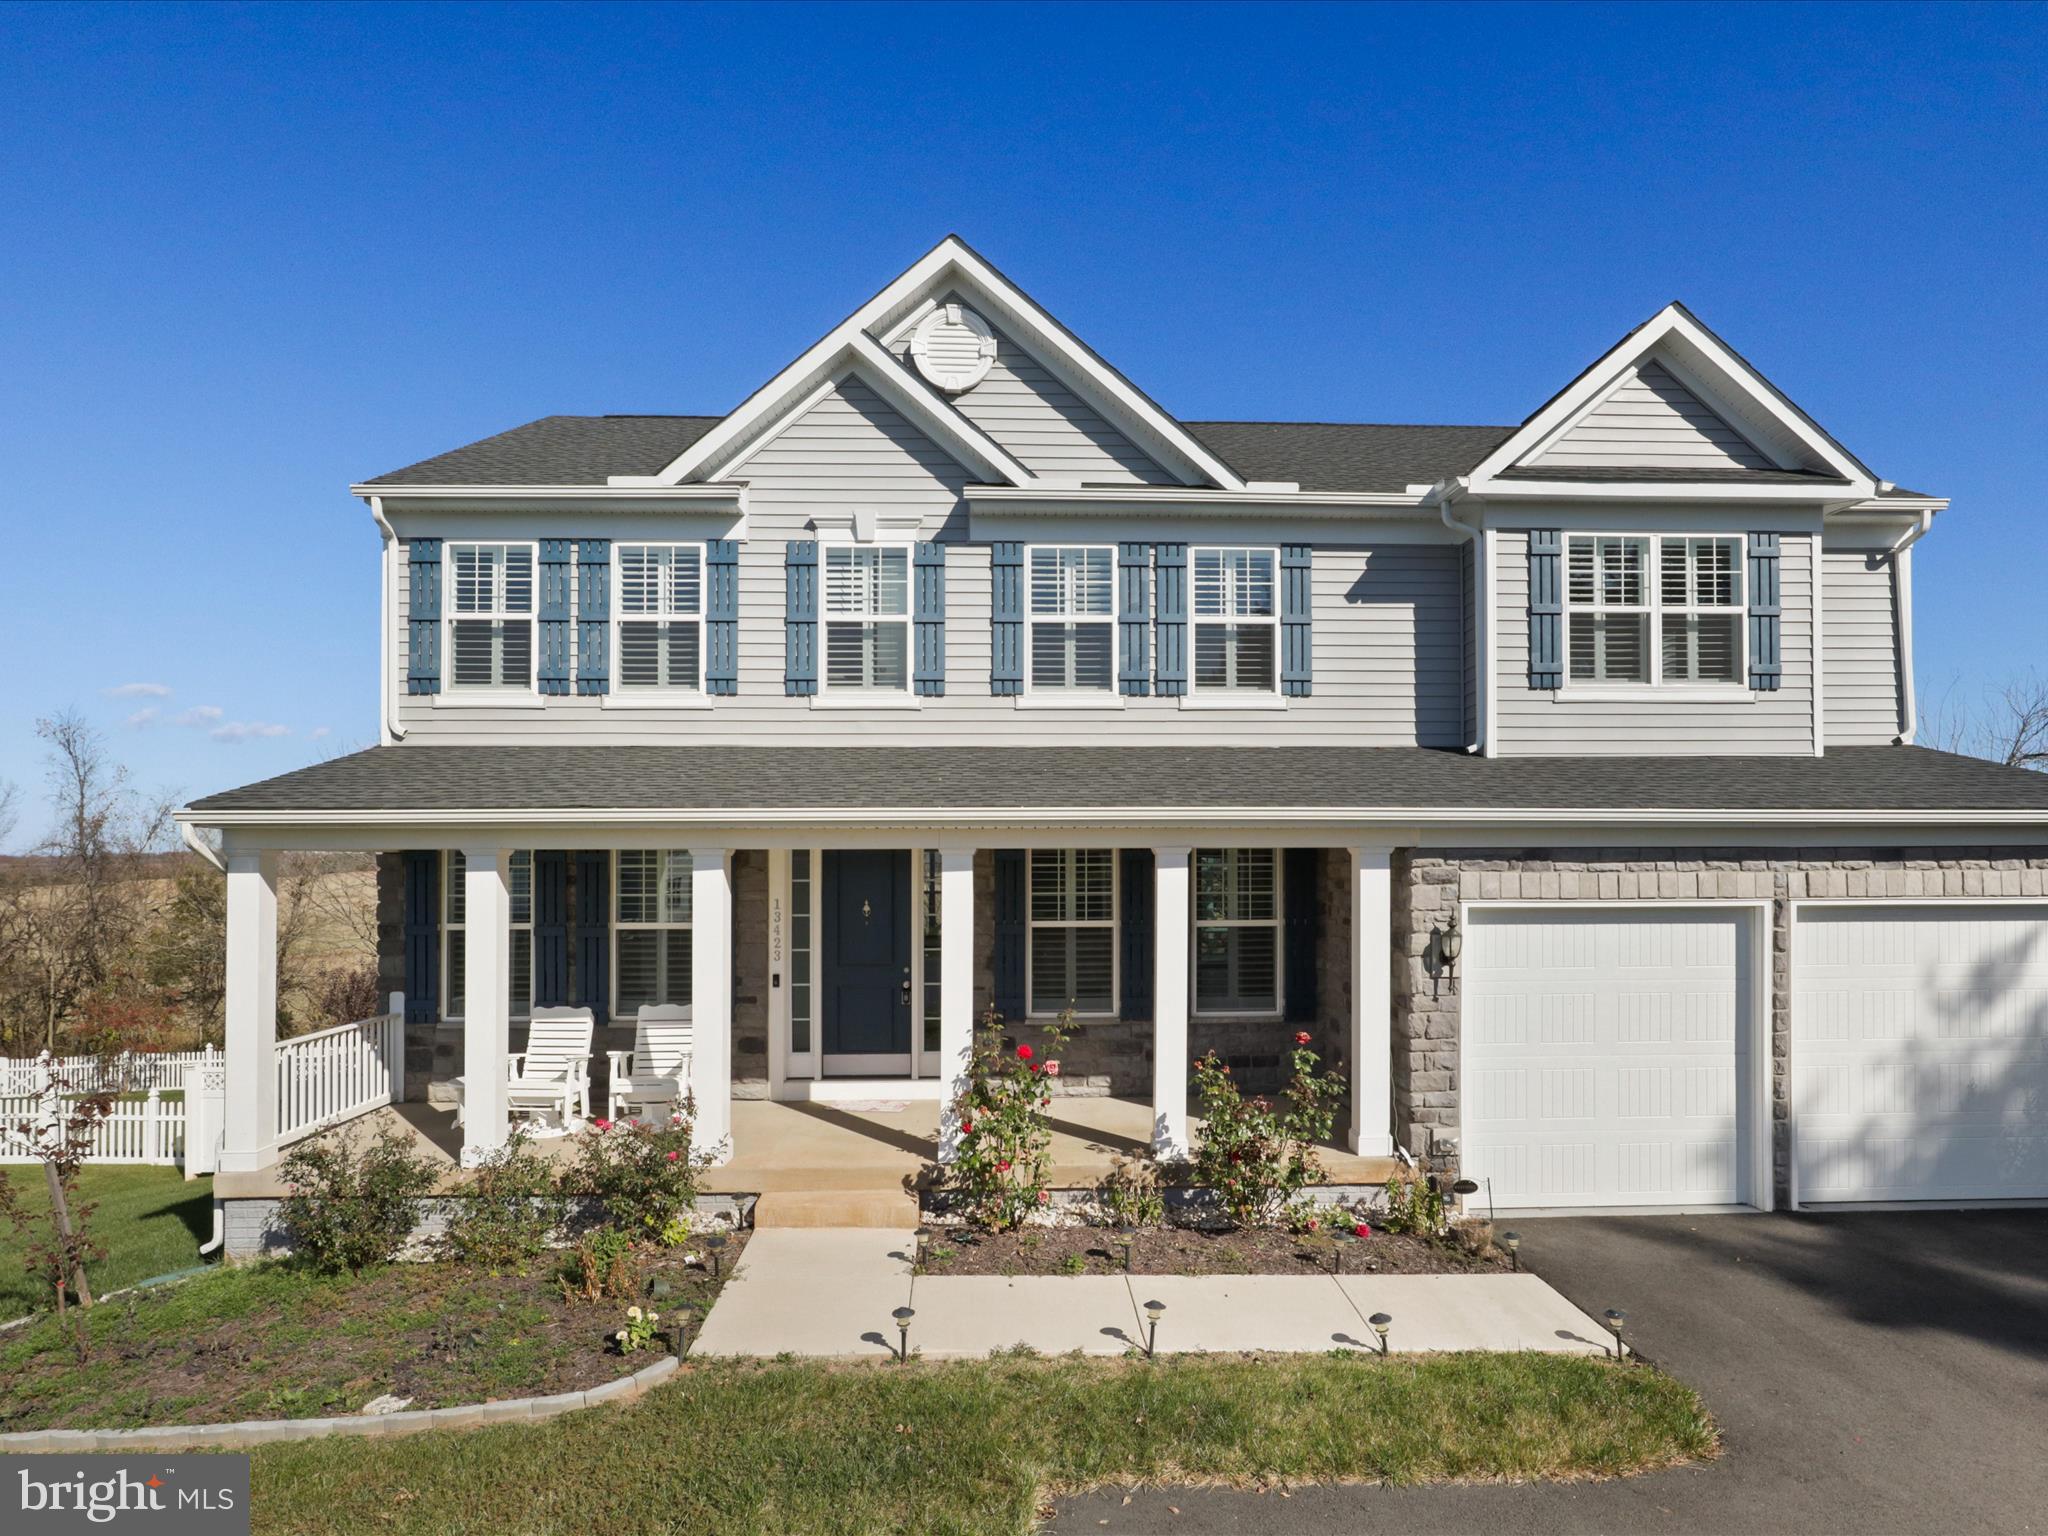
(953, 347)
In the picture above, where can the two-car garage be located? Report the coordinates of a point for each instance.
(1617, 1055)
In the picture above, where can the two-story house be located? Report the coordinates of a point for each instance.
(1557, 779)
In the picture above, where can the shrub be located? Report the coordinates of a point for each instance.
(350, 1207)
(642, 1175)
(1258, 1155)
(606, 1262)
(1414, 1205)
(1130, 1194)
(511, 1212)
(1005, 1134)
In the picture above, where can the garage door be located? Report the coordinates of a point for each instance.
(1606, 1057)
(1920, 1053)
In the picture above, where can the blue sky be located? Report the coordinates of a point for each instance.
(252, 254)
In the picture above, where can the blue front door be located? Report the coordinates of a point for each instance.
(866, 904)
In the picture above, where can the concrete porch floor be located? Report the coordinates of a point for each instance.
(883, 1145)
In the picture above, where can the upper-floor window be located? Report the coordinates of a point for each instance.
(653, 930)
(1694, 604)
(660, 616)
(1071, 935)
(454, 931)
(1072, 617)
(867, 616)
(490, 619)
(1236, 621)
(1237, 930)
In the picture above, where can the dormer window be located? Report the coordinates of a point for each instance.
(1237, 621)
(1683, 627)
(490, 617)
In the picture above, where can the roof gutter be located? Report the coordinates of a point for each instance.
(387, 679)
(1901, 554)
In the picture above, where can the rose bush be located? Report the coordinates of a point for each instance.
(998, 1173)
(642, 1173)
(1259, 1155)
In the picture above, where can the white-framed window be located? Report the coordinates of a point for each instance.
(1237, 621)
(1683, 626)
(1237, 931)
(490, 617)
(1070, 932)
(658, 617)
(1072, 617)
(650, 929)
(454, 925)
(867, 618)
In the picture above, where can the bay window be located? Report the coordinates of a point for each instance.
(651, 929)
(1237, 930)
(867, 617)
(1237, 619)
(1070, 937)
(1073, 618)
(490, 616)
(659, 617)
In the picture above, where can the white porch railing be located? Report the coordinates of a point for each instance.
(150, 1129)
(337, 1074)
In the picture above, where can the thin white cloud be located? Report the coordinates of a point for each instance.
(199, 714)
(320, 731)
(144, 717)
(139, 691)
(247, 730)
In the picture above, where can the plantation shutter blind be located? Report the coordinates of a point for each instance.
(800, 618)
(1006, 629)
(928, 620)
(1297, 574)
(594, 612)
(1766, 616)
(423, 617)
(1546, 608)
(1134, 619)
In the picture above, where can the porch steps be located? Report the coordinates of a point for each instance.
(892, 1208)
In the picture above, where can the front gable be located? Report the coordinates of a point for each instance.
(1649, 419)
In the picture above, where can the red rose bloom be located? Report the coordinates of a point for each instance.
(1003, 1166)
(1052, 1069)
(1362, 1230)
(1301, 1037)
(966, 1127)
(1023, 1053)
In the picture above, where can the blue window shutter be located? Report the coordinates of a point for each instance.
(593, 933)
(1766, 661)
(722, 616)
(594, 613)
(929, 619)
(1297, 652)
(550, 928)
(1134, 621)
(1009, 933)
(1006, 639)
(423, 617)
(1546, 608)
(1303, 898)
(421, 878)
(1170, 598)
(1134, 931)
(556, 578)
(800, 618)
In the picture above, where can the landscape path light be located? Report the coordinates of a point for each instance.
(1512, 1241)
(716, 1243)
(1615, 1318)
(1380, 1323)
(1126, 1237)
(903, 1315)
(1154, 1310)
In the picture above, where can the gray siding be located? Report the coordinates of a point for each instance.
(1046, 426)
(1388, 657)
(1537, 721)
(1654, 420)
(1859, 648)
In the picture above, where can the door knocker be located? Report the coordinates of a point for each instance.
(867, 911)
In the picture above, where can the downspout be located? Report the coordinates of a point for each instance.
(387, 689)
(201, 846)
(1902, 596)
(1444, 493)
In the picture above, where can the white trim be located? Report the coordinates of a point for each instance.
(1653, 609)
(830, 1090)
(1902, 599)
(390, 730)
(1114, 924)
(1818, 558)
(1489, 646)
(1760, 1180)
(1269, 703)
(1057, 700)
(1045, 500)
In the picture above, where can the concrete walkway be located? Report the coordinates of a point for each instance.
(830, 1292)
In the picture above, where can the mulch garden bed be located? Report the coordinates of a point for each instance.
(1048, 1250)
(277, 1341)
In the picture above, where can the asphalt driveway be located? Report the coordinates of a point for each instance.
(1871, 1372)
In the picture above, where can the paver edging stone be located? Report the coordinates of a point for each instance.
(410, 1422)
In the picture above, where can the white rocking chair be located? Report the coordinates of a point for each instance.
(552, 1075)
(657, 1070)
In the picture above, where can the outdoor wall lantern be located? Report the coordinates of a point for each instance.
(1381, 1323)
(1450, 943)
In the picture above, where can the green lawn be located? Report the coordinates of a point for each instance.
(976, 1447)
(151, 1220)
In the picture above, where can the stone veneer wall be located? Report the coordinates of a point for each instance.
(1429, 884)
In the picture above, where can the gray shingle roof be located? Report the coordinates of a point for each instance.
(567, 778)
(561, 450)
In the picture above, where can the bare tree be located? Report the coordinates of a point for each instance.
(2008, 725)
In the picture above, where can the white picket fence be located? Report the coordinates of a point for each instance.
(338, 1074)
(150, 1129)
(130, 1071)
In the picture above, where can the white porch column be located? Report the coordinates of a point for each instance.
(250, 1123)
(956, 987)
(1371, 1046)
(486, 999)
(1170, 919)
(711, 999)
